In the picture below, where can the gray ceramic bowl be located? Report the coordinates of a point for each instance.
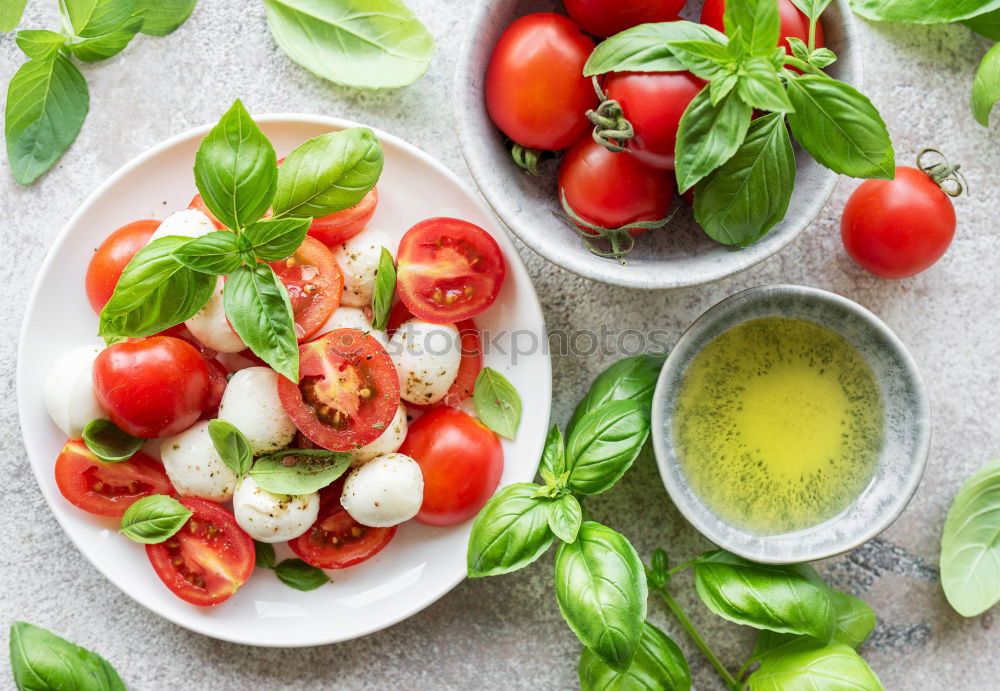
(907, 424)
(677, 256)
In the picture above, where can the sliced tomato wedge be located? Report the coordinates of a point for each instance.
(347, 393)
(208, 559)
(199, 204)
(339, 227)
(336, 541)
(315, 284)
(448, 270)
(107, 489)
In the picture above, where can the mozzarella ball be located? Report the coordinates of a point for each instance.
(194, 467)
(250, 403)
(390, 441)
(273, 517)
(211, 327)
(352, 318)
(427, 357)
(69, 391)
(384, 492)
(189, 223)
(358, 259)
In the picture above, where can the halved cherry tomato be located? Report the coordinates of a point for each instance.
(448, 270)
(208, 559)
(347, 393)
(336, 541)
(793, 22)
(112, 256)
(107, 489)
(608, 17)
(315, 285)
(199, 204)
(461, 460)
(339, 227)
(217, 380)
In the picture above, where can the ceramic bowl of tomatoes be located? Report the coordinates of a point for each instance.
(510, 40)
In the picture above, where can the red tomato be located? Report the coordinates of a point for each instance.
(448, 270)
(208, 559)
(608, 17)
(897, 228)
(336, 541)
(218, 377)
(112, 256)
(535, 89)
(793, 22)
(654, 103)
(152, 387)
(461, 460)
(348, 390)
(199, 204)
(315, 285)
(107, 489)
(341, 226)
(612, 190)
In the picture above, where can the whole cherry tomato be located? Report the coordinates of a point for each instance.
(793, 22)
(111, 258)
(608, 17)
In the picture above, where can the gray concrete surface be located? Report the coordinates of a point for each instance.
(507, 632)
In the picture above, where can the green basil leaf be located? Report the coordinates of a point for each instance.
(297, 574)
(986, 86)
(38, 44)
(601, 589)
(565, 517)
(264, 555)
(719, 88)
(276, 238)
(799, 48)
(330, 173)
(970, 550)
(370, 44)
(233, 447)
(812, 8)
(385, 290)
(154, 519)
(986, 24)
(822, 57)
(108, 45)
(756, 24)
(164, 16)
(604, 444)
(705, 59)
(216, 253)
(747, 195)
(645, 48)
(629, 379)
(310, 472)
(760, 87)
(771, 642)
(259, 310)
(47, 101)
(764, 596)
(497, 403)
(840, 127)
(553, 463)
(708, 136)
(39, 660)
(155, 292)
(855, 620)
(10, 14)
(659, 574)
(109, 443)
(510, 532)
(659, 664)
(922, 11)
(90, 18)
(808, 664)
(235, 169)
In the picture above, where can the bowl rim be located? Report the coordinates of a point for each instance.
(703, 518)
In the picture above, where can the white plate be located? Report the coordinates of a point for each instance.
(421, 563)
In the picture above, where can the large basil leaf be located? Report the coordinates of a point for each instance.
(155, 292)
(922, 11)
(510, 532)
(806, 664)
(764, 596)
(47, 101)
(39, 44)
(258, 307)
(90, 18)
(164, 16)
(601, 589)
(276, 238)
(747, 195)
(553, 462)
(604, 444)
(10, 14)
(840, 127)
(986, 24)
(39, 659)
(855, 620)
(986, 86)
(970, 544)
(756, 24)
(216, 253)
(645, 48)
(659, 665)
(629, 379)
(371, 44)
(154, 519)
(108, 45)
(708, 136)
(330, 173)
(312, 471)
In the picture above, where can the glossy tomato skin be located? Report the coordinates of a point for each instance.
(793, 22)
(608, 17)
(654, 103)
(111, 258)
(218, 377)
(613, 189)
(462, 461)
(106, 489)
(535, 89)
(336, 541)
(199, 204)
(898, 228)
(208, 560)
(314, 283)
(339, 227)
(152, 387)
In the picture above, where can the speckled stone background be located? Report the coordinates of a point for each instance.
(507, 632)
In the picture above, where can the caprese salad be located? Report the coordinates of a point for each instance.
(301, 375)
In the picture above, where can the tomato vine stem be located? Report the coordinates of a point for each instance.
(943, 173)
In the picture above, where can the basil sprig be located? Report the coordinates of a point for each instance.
(497, 402)
(39, 659)
(109, 443)
(154, 519)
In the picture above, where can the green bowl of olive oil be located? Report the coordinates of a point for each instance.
(790, 424)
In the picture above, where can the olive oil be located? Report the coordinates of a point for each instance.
(778, 424)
